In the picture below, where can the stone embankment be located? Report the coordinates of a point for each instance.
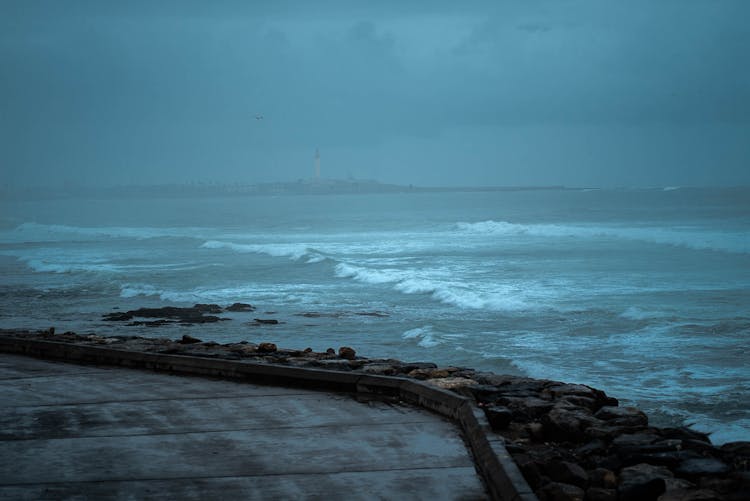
(570, 441)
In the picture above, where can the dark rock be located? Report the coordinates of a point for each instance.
(670, 459)
(529, 469)
(526, 408)
(579, 401)
(410, 366)
(207, 308)
(268, 321)
(684, 433)
(189, 340)
(602, 477)
(567, 473)
(697, 467)
(380, 314)
(117, 317)
(691, 495)
(600, 494)
(347, 353)
(267, 348)
(624, 416)
(567, 425)
(555, 491)
(596, 446)
(330, 351)
(240, 307)
(635, 440)
(498, 416)
(642, 482)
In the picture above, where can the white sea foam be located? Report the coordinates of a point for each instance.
(425, 336)
(292, 251)
(735, 241)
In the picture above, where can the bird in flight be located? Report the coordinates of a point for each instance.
(259, 117)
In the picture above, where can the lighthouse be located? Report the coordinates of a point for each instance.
(317, 164)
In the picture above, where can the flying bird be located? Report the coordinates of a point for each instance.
(259, 117)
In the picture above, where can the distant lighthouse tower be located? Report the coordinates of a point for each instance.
(317, 164)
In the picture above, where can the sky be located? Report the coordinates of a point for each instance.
(587, 93)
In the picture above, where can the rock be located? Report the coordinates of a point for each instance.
(347, 353)
(189, 340)
(267, 348)
(207, 308)
(684, 433)
(268, 321)
(529, 469)
(566, 425)
(596, 446)
(642, 482)
(602, 477)
(330, 351)
(691, 495)
(697, 467)
(600, 494)
(459, 385)
(240, 307)
(381, 369)
(527, 408)
(624, 416)
(579, 401)
(192, 315)
(498, 416)
(555, 491)
(567, 473)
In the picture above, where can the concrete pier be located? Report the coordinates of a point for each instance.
(105, 432)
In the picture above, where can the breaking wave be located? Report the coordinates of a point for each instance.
(735, 241)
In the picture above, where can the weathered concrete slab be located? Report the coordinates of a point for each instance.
(121, 433)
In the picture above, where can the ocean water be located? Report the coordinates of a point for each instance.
(642, 293)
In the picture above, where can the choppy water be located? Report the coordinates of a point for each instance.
(642, 293)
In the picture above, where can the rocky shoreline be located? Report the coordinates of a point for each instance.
(570, 441)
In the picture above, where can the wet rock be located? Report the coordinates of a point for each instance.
(189, 340)
(635, 440)
(267, 348)
(567, 425)
(691, 495)
(600, 494)
(624, 416)
(697, 467)
(596, 446)
(579, 401)
(556, 491)
(207, 308)
(380, 369)
(240, 307)
(684, 433)
(266, 321)
(347, 353)
(527, 408)
(567, 473)
(642, 482)
(602, 477)
(529, 469)
(459, 385)
(498, 416)
(192, 315)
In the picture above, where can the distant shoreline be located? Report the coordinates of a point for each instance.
(319, 187)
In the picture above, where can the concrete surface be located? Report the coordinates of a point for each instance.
(101, 432)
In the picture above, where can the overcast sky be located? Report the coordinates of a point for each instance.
(572, 92)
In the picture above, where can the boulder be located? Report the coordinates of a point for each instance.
(267, 348)
(602, 477)
(567, 473)
(266, 321)
(642, 482)
(701, 466)
(556, 491)
(207, 308)
(347, 353)
(623, 416)
(189, 340)
(498, 416)
(567, 425)
(600, 494)
(240, 307)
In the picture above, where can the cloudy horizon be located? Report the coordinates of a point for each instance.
(574, 93)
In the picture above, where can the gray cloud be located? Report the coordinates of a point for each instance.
(574, 92)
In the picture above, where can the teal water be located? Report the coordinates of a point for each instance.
(642, 293)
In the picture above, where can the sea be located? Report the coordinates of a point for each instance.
(643, 293)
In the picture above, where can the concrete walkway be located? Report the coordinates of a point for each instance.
(100, 432)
